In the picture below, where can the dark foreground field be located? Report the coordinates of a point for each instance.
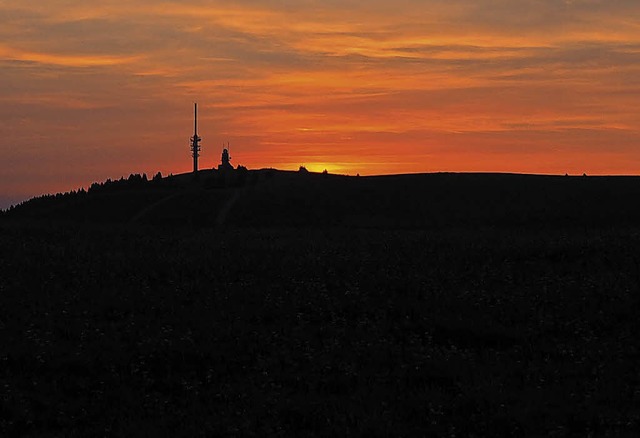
(369, 321)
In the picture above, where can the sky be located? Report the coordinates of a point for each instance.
(97, 90)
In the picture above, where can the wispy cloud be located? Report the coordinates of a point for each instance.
(9, 54)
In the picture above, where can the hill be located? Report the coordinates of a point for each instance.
(271, 303)
(270, 198)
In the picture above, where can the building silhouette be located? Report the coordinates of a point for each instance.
(225, 162)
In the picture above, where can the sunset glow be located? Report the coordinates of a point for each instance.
(94, 91)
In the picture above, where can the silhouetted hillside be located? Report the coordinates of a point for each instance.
(270, 198)
(267, 303)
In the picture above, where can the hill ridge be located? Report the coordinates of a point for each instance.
(272, 197)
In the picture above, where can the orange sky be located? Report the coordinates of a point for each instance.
(94, 91)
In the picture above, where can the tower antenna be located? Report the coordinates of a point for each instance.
(195, 140)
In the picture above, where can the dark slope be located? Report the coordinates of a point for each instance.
(440, 200)
(282, 199)
(250, 306)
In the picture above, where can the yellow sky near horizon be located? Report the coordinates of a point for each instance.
(95, 91)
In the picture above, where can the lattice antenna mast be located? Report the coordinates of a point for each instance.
(195, 140)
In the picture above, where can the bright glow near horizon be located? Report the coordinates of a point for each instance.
(91, 91)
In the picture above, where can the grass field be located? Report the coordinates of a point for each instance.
(328, 309)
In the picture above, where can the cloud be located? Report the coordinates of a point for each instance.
(10, 54)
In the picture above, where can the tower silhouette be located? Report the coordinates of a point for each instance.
(195, 140)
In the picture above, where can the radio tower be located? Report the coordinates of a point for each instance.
(195, 140)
